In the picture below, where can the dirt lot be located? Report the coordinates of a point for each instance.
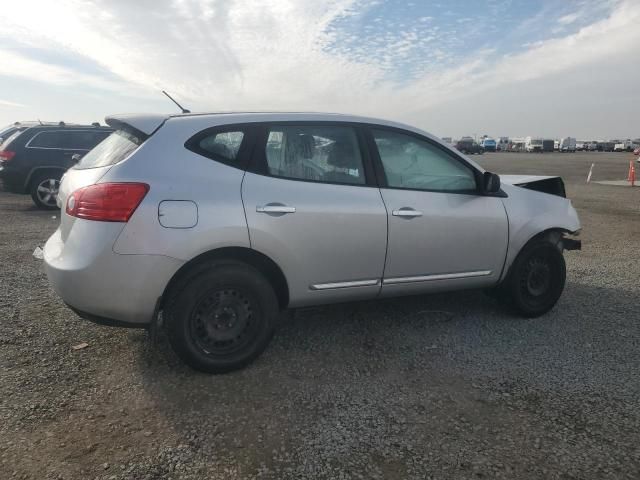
(446, 386)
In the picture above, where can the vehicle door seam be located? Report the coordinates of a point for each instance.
(244, 207)
(386, 250)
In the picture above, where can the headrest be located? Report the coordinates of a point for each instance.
(300, 145)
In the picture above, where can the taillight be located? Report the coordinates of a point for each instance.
(106, 202)
(6, 155)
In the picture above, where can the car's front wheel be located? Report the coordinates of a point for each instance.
(537, 278)
(44, 190)
(222, 317)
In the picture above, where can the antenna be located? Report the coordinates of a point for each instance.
(184, 110)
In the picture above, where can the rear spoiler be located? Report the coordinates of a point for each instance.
(142, 125)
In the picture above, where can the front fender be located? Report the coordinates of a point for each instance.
(530, 213)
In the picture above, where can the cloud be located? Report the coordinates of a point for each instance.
(7, 103)
(305, 54)
(569, 18)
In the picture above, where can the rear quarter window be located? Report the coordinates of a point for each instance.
(115, 148)
(222, 144)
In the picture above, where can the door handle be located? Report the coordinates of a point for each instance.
(276, 209)
(406, 212)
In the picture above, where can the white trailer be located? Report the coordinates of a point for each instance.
(624, 146)
(533, 144)
(567, 144)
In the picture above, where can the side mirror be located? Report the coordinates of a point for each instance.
(490, 183)
(75, 158)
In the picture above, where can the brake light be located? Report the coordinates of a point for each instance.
(6, 155)
(106, 202)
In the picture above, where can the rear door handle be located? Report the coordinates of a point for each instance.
(406, 212)
(275, 209)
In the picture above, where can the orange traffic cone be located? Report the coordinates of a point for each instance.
(632, 173)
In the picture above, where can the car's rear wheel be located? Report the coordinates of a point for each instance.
(44, 190)
(537, 278)
(222, 318)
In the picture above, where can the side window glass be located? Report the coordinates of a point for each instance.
(317, 153)
(411, 163)
(79, 140)
(46, 140)
(223, 144)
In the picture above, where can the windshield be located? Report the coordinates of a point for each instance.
(116, 147)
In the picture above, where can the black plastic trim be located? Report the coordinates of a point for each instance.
(109, 322)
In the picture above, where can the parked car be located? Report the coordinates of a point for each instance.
(469, 146)
(220, 221)
(488, 144)
(636, 151)
(8, 130)
(567, 144)
(33, 160)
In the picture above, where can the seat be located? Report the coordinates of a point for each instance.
(344, 157)
(300, 147)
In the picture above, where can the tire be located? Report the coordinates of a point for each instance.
(222, 317)
(44, 189)
(536, 279)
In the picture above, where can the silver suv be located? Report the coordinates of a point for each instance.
(221, 221)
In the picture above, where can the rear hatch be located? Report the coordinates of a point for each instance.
(95, 164)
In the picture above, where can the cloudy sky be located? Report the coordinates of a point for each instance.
(500, 67)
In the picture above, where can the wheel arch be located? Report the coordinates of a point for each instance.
(37, 170)
(258, 260)
(553, 234)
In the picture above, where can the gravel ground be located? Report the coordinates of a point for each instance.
(444, 386)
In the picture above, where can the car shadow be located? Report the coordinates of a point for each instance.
(398, 371)
(409, 336)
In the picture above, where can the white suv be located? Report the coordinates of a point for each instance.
(222, 220)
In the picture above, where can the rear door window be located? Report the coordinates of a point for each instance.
(46, 140)
(116, 147)
(322, 153)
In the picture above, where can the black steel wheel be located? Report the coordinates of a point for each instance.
(221, 317)
(537, 278)
(221, 322)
